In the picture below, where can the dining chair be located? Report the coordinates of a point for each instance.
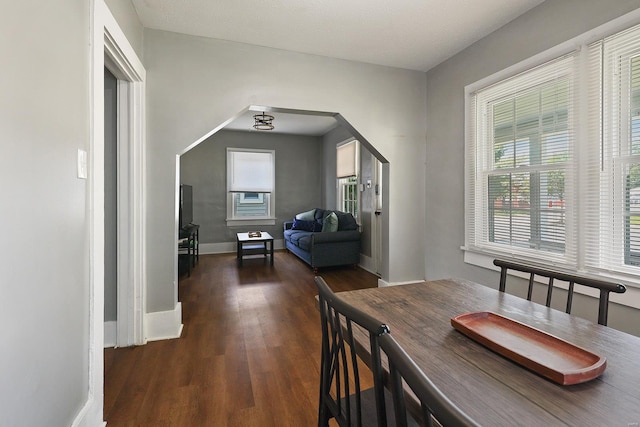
(603, 286)
(341, 396)
(433, 403)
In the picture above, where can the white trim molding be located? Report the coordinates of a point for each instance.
(123, 62)
(367, 263)
(384, 283)
(110, 331)
(631, 298)
(108, 41)
(164, 325)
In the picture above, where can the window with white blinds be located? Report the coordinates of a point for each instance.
(553, 160)
(615, 212)
(523, 162)
(347, 155)
(346, 159)
(250, 186)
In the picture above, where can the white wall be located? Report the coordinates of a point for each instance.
(44, 258)
(194, 84)
(543, 27)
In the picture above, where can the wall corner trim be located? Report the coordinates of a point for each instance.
(164, 325)
(383, 283)
(91, 414)
(110, 333)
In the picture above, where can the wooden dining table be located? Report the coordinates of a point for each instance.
(492, 389)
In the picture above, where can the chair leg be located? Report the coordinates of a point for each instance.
(323, 413)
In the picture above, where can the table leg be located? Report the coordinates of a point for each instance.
(271, 252)
(196, 244)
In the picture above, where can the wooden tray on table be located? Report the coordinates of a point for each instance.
(543, 353)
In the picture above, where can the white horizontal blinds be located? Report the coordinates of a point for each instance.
(471, 192)
(250, 171)
(346, 160)
(620, 155)
(524, 161)
(593, 227)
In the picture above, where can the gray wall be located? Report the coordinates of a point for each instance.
(110, 197)
(298, 178)
(195, 84)
(44, 260)
(366, 199)
(541, 28)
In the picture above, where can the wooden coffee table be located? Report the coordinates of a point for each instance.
(248, 244)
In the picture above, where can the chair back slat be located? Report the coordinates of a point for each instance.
(549, 291)
(339, 319)
(570, 297)
(434, 404)
(340, 388)
(605, 287)
(532, 278)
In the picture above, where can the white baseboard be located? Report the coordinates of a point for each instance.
(367, 264)
(163, 325)
(230, 247)
(90, 415)
(110, 333)
(382, 283)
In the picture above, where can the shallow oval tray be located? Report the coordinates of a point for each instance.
(543, 353)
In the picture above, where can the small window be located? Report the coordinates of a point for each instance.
(251, 186)
(348, 195)
(347, 177)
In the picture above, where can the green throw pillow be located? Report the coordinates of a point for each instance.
(330, 223)
(307, 216)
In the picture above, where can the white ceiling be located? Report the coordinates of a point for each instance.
(286, 122)
(410, 34)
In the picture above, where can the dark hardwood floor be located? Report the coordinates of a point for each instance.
(249, 354)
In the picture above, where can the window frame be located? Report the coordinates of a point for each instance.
(342, 182)
(483, 256)
(269, 198)
(480, 161)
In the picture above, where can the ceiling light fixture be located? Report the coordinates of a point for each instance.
(263, 121)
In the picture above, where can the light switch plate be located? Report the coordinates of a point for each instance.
(82, 164)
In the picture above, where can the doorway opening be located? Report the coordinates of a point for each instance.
(334, 130)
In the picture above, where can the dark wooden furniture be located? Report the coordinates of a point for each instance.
(491, 389)
(604, 287)
(340, 369)
(433, 403)
(189, 245)
(250, 244)
(341, 397)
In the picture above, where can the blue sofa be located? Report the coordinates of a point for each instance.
(315, 238)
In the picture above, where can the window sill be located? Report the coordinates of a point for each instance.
(631, 298)
(233, 222)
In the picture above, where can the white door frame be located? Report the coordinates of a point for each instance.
(131, 85)
(108, 41)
